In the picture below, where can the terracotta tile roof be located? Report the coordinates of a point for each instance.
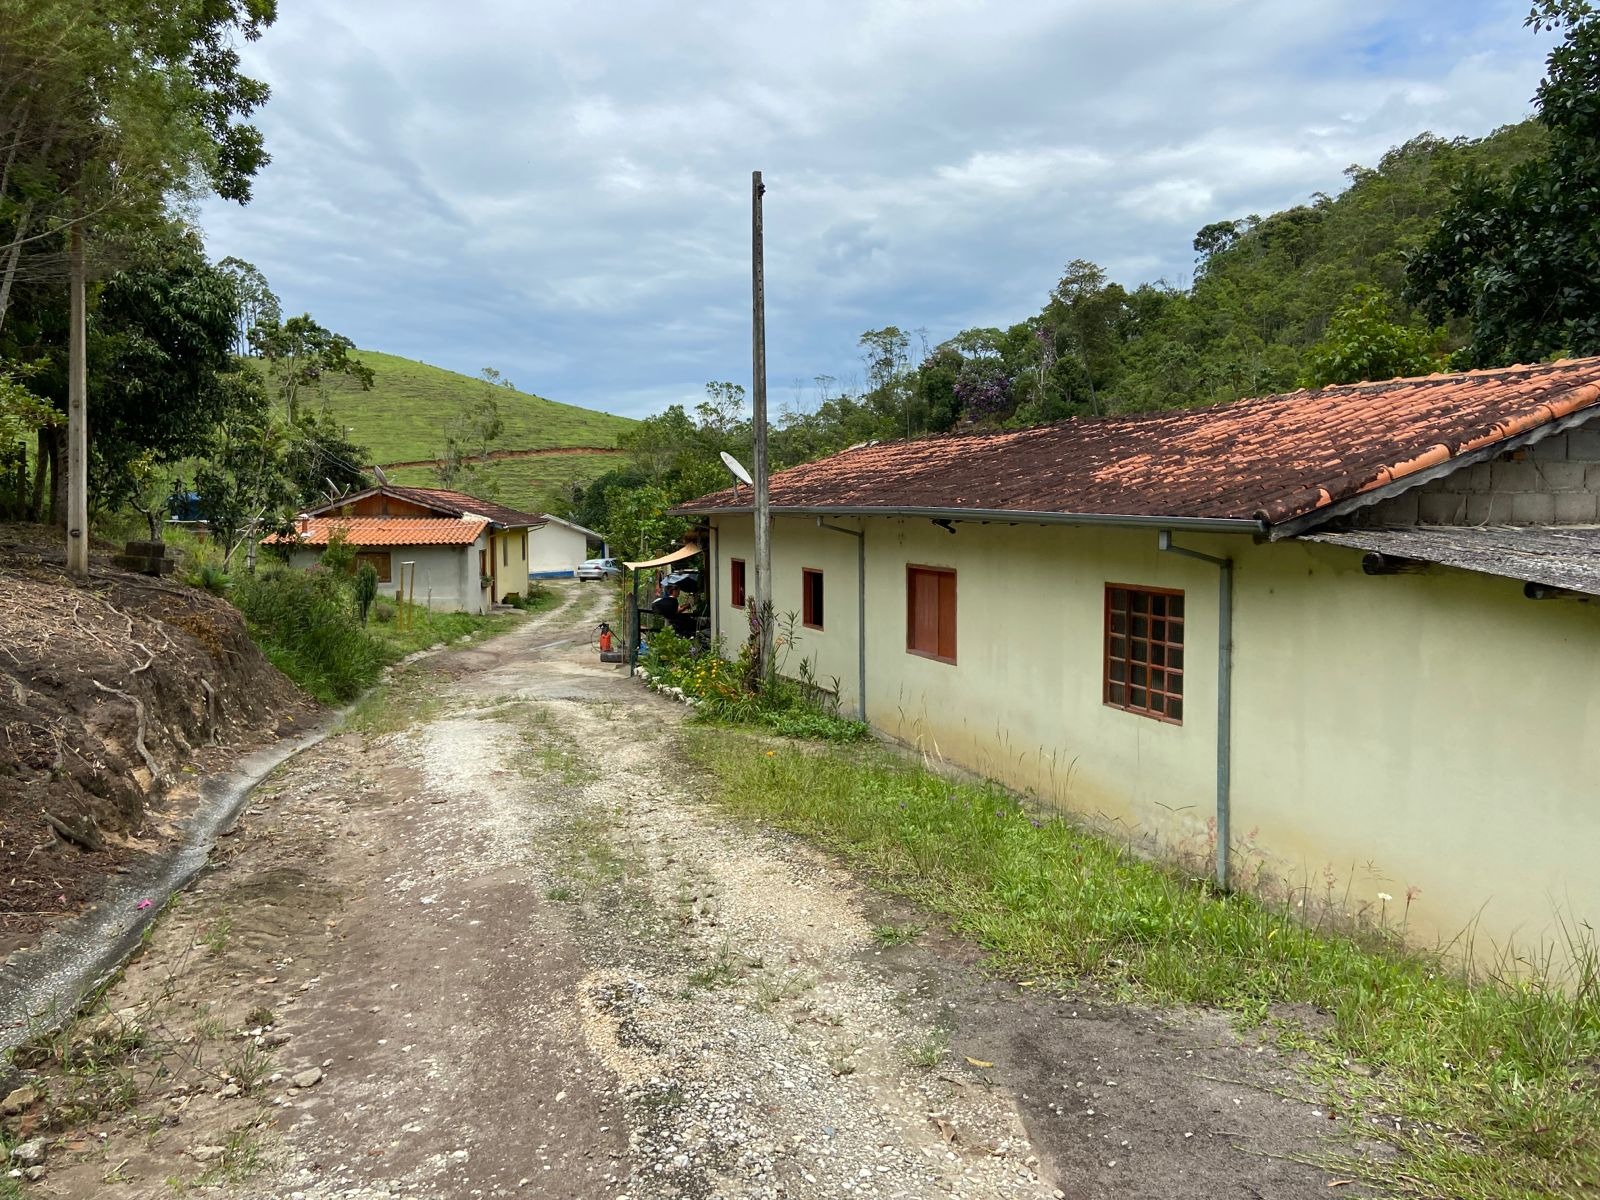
(442, 500)
(457, 503)
(1265, 460)
(369, 532)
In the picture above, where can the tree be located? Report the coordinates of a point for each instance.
(886, 354)
(1518, 254)
(106, 116)
(158, 354)
(636, 521)
(299, 354)
(258, 306)
(470, 435)
(1363, 342)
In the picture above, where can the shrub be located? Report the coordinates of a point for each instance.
(305, 623)
(788, 707)
(366, 589)
(384, 610)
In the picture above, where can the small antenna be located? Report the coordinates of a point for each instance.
(736, 468)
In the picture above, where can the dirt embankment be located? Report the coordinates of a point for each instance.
(112, 695)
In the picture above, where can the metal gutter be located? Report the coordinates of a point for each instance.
(1251, 525)
(861, 612)
(1224, 695)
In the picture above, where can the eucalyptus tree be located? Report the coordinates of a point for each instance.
(110, 112)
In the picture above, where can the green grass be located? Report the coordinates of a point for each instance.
(426, 628)
(525, 483)
(400, 418)
(1491, 1085)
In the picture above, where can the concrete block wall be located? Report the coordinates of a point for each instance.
(1553, 482)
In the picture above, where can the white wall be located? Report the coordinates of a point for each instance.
(446, 577)
(554, 547)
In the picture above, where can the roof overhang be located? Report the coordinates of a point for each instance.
(1297, 526)
(1560, 558)
(1251, 525)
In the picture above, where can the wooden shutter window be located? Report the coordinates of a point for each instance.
(380, 561)
(931, 612)
(811, 598)
(736, 582)
(1144, 651)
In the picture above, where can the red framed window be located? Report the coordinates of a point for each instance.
(931, 612)
(1144, 651)
(811, 598)
(736, 582)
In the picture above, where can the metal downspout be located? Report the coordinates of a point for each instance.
(1224, 693)
(715, 554)
(861, 612)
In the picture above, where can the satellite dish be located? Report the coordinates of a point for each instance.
(378, 472)
(737, 467)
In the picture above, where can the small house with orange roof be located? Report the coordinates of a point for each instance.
(1343, 644)
(468, 553)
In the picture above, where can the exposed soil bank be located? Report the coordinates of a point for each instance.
(114, 696)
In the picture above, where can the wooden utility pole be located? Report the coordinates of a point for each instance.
(758, 391)
(77, 412)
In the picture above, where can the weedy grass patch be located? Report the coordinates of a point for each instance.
(721, 693)
(1490, 1081)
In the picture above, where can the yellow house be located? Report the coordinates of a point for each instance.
(462, 553)
(1281, 635)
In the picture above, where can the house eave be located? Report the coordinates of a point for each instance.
(1306, 522)
(1007, 516)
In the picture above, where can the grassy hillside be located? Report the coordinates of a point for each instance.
(402, 417)
(526, 483)
(402, 420)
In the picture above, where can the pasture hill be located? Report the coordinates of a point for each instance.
(544, 446)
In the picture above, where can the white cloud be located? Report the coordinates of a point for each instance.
(562, 189)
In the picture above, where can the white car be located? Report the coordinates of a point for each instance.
(599, 568)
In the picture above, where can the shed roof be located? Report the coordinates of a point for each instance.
(380, 532)
(1565, 557)
(1265, 461)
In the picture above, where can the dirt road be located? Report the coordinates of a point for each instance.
(494, 941)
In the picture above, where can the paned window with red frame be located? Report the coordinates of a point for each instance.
(1144, 651)
(931, 613)
(811, 598)
(736, 582)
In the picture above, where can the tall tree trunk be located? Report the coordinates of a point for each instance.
(77, 412)
(41, 470)
(13, 257)
(58, 476)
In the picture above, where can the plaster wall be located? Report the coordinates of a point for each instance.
(554, 547)
(446, 579)
(509, 550)
(1436, 732)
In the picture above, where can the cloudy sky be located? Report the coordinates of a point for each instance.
(561, 190)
